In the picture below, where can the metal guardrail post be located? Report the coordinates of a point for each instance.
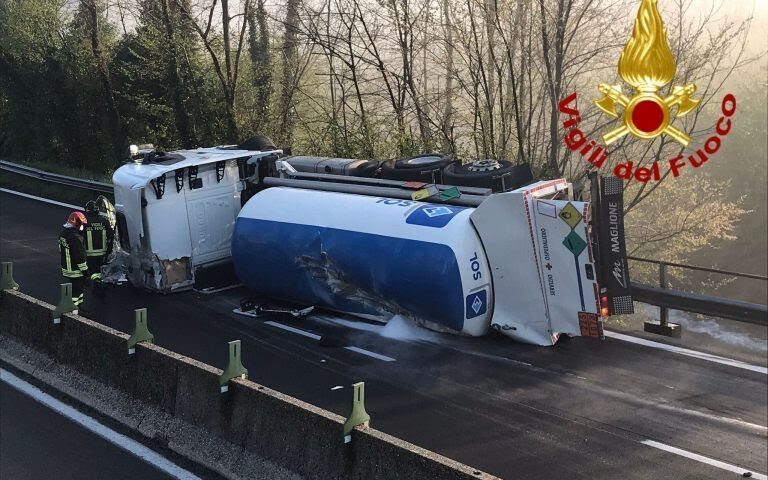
(65, 305)
(6, 277)
(663, 327)
(140, 333)
(663, 312)
(234, 366)
(358, 416)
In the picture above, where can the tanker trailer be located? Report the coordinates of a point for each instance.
(531, 263)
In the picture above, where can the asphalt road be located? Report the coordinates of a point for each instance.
(582, 410)
(36, 443)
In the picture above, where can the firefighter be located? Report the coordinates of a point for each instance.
(107, 212)
(98, 237)
(74, 266)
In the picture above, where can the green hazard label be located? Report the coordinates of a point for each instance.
(574, 243)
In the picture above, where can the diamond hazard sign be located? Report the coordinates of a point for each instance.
(570, 215)
(429, 191)
(574, 243)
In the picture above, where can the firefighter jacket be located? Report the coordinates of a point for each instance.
(73, 262)
(98, 235)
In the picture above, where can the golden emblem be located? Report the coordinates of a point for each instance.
(647, 64)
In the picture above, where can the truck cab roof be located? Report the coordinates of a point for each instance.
(136, 175)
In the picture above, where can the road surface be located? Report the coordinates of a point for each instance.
(582, 410)
(42, 438)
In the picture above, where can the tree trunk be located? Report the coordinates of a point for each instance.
(120, 143)
(258, 44)
(449, 52)
(554, 77)
(181, 115)
(290, 70)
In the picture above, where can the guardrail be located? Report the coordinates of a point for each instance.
(666, 298)
(660, 296)
(56, 178)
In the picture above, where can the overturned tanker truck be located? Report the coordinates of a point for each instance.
(519, 256)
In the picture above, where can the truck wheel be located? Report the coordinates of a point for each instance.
(258, 142)
(427, 168)
(498, 175)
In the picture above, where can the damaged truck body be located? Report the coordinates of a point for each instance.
(529, 260)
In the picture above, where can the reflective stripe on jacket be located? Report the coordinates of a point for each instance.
(98, 235)
(73, 263)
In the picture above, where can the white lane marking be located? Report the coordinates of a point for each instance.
(313, 336)
(294, 330)
(691, 353)
(371, 354)
(703, 459)
(91, 424)
(41, 199)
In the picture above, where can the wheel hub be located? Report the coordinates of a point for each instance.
(484, 166)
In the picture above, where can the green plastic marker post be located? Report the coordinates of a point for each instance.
(65, 304)
(358, 416)
(141, 333)
(234, 366)
(6, 277)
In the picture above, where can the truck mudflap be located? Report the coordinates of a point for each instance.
(609, 246)
(546, 271)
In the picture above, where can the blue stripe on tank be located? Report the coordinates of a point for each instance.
(349, 271)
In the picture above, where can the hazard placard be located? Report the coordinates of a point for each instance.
(430, 191)
(570, 215)
(450, 193)
(590, 325)
(574, 243)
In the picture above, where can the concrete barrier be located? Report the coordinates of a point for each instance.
(249, 432)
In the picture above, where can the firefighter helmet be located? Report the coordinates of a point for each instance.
(91, 206)
(77, 219)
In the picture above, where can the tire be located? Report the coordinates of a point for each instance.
(367, 170)
(258, 142)
(507, 177)
(427, 168)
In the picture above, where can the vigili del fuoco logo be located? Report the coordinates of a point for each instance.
(647, 64)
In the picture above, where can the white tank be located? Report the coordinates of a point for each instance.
(367, 256)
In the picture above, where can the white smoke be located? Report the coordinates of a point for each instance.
(714, 330)
(401, 328)
(397, 328)
(710, 327)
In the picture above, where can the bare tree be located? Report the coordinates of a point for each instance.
(226, 69)
(261, 60)
(290, 73)
(447, 124)
(94, 10)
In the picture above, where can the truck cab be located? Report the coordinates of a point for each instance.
(175, 214)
